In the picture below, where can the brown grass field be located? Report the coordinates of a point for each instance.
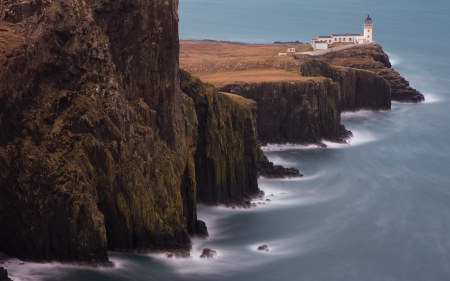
(220, 63)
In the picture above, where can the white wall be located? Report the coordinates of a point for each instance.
(321, 46)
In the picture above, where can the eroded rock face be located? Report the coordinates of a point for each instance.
(4, 275)
(401, 90)
(97, 142)
(360, 89)
(228, 149)
(297, 112)
(373, 58)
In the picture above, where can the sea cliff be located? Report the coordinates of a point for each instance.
(299, 112)
(100, 148)
(94, 145)
(228, 149)
(106, 145)
(373, 59)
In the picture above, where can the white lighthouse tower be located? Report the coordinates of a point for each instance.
(368, 36)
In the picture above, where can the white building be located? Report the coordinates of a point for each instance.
(322, 42)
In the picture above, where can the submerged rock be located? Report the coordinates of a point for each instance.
(178, 255)
(263, 248)
(208, 253)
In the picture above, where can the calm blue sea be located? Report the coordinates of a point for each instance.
(377, 209)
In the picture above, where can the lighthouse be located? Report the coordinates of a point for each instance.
(368, 30)
(365, 37)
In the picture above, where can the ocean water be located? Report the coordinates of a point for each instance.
(376, 209)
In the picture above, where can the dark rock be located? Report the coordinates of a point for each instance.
(184, 255)
(401, 90)
(377, 61)
(202, 230)
(227, 144)
(269, 170)
(268, 200)
(4, 275)
(358, 89)
(208, 253)
(97, 141)
(263, 248)
(169, 255)
(295, 112)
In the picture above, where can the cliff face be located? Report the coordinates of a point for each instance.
(228, 150)
(97, 139)
(374, 59)
(360, 89)
(301, 112)
(308, 111)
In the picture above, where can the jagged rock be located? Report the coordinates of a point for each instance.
(295, 112)
(269, 170)
(373, 58)
(227, 145)
(401, 90)
(4, 275)
(202, 230)
(263, 248)
(97, 140)
(208, 253)
(359, 89)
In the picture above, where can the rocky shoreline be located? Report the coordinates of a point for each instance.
(107, 146)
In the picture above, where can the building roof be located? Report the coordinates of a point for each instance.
(347, 34)
(324, 36)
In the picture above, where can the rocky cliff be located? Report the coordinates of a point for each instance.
(228, 149)
(360, 89)
(375, 60)
(299, 112)
(308, 111)
(97, 142)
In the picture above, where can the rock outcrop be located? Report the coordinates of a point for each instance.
(97, 142)
(269, 170)
(4, 275)
(297, 112)
(360, 89)
(228, 149)
(400, 88)
(374, 59)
